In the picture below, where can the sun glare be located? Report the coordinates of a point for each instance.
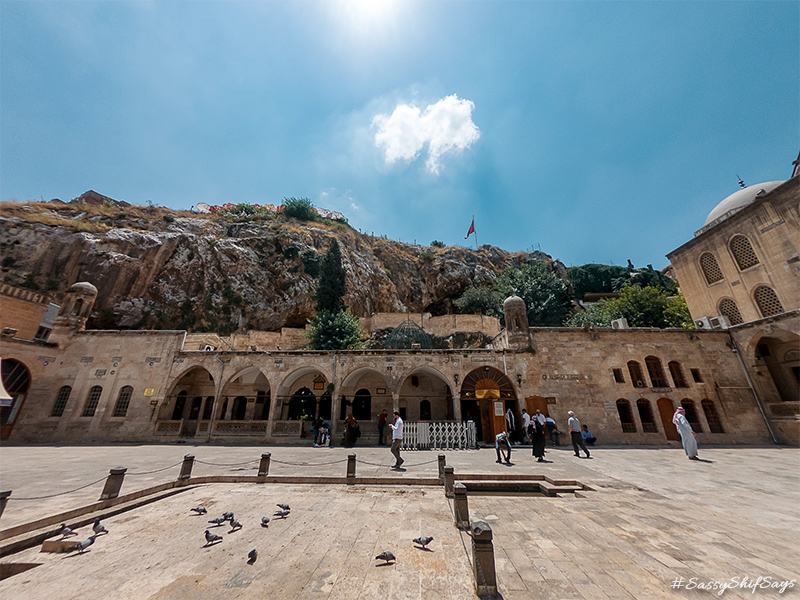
(365, 17)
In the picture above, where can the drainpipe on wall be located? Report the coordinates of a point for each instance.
(752, 388)
(216, 399)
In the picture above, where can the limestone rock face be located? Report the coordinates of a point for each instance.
(205, 274)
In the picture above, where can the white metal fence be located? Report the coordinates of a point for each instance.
(446, 435)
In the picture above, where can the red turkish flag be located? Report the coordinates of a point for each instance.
(471, 229)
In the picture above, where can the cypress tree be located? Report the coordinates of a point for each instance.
(331, 286)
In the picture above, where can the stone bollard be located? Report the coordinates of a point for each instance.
(4, 500)
(449, 479)
(351, 468)
(263, 466)
(441, 467)
(113, 483)
(461, 506)
(186, 467)
(483, 560)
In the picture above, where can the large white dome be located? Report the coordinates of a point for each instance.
(741, 199)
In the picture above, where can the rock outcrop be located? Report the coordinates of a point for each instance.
(204, 273)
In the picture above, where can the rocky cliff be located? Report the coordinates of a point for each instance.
(159, 269)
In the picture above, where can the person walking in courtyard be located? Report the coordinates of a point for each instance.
(397, 439)
(574, 427)
(688, 436)
(551, 428)
(537, 433)
(381, 425)
(526, 423)
(501, 440)
(350, 431)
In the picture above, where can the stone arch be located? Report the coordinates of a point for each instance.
(194, 381)
(776, 354)
(291, 384)
(16, 380)
(425, 382)
(244, 394)
(491, 392)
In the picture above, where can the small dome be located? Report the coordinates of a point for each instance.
(512, 301)
(740, 199)
(406, 335)
(84, 287)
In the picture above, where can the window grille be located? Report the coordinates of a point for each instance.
(714, 424)
(626, 416)
(691, 415)
(767, 301)
(123, 400)
(728, 309)
(618, 377)
(61, 401)
(710, 268)
(677, 374)
(743, 252)
(91, 401)
(656, 372)
(646, 416)
(698, 378)
(637, 377)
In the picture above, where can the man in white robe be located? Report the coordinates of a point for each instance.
(688, 437)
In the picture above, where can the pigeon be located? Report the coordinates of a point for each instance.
(200, 510)
(82, 546)
(282, 514)
(218, 520)
(283, 506)
(66, 531)
(228, 516)
(212, 537)
(423, 541)
(252, 556)
(386, 556)
(98, 528)
(235, 525)
(265, 521)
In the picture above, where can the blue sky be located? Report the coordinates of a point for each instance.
(596, 131)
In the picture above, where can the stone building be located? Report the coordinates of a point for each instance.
(738, 384)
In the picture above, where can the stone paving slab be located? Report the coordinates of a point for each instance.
(654, 517)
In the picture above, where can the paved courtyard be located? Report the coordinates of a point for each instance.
(654, 517)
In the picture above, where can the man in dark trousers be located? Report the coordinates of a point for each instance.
(397, 439)
(575, 433)
(381, 425)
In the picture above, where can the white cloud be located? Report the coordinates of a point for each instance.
(446, 127)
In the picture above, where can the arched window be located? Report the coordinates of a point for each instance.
(646, 415)
(208, 407)
(303, 404)
(714, 424)
(626, 416)
(239, 408)
(637, 377)
(362, 405)
(743, 252)
(677, 374)
(767, 301)
(180, 404)
(123, 400)
(656, 372)
(61, 401)
(91, 401)
(691, 415)
(729, 310)
(425, 410)
(77, 308)
(710, 268)
(194, 411)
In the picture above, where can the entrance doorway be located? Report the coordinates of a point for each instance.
(666, 409)
(491, 390)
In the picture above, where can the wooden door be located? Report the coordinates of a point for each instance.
(666, 409)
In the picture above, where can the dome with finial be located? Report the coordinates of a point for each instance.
(406, 336)
(739, 200)
(513, 301)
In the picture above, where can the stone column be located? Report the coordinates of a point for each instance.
(457, 407)
(186, 467)
(461, 506)
(263, 466)
(229, 407)
(449, 480)
(351, 468)
(113, 483)
(483, 560)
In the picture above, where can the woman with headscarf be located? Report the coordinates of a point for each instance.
(688, 437)
(350, 431)
(537, 434)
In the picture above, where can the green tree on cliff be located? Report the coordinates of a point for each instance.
(545, 295)
(331, 287)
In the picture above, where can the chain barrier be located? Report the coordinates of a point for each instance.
(103, 478)
(333, 462)
(156, 471)
(202, 462)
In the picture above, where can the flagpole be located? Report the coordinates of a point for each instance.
(476, 233)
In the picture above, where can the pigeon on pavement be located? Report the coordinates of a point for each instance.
(98, 528)
(423, 541)
(228, 516)
(265, 521)
(66, 531)
(283, 506)
(212, 537)
(252, 556)
(235, 525)
(282, 514)
(386, 556)
(200, 510)
(82, 546)
(218, 520)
